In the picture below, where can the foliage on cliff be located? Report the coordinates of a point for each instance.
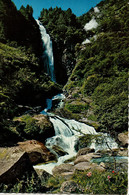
(19, 27)
(22, 78)
(101, 70)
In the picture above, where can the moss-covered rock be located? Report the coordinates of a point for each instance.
(36, 127)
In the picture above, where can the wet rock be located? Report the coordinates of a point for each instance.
(59, 150)
(57, 170)
(86, 158)
(14, 162)
(68, 187)
(85, 151)
(123, 138)
(36, 151)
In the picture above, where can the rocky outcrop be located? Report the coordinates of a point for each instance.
(123, 138)
(14, 162)
(36, 151)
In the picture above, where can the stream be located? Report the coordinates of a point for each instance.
(66, 136)
(67, 132)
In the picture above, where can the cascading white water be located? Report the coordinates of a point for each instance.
(48, 52)
(66, 134)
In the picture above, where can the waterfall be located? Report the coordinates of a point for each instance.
(67, 133)
(48, 52)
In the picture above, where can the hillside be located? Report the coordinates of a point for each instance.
(42, 150)
(97, 87)
(22, 78)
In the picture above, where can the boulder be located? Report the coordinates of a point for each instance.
(59, 150)
(14, 162)
(38, 126)
(86, 158)
(87, 165)
(68, 187)
(83, 166)
(85, 151)
(36, 151)
(58, 170)
(123, 138)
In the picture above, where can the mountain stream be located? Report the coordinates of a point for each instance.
(67, 131)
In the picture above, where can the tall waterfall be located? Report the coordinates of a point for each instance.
(48, 52)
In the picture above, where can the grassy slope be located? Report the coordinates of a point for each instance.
(101, 70)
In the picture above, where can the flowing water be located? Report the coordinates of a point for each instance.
(47, 56)
(67, 131)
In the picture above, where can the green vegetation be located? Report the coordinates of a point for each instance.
(100, 182)
(87, 140)
(29, 183)
(77, 107)
(97, 87)
(85, 182)
(22, 78)
(33, 127)
(101, 71)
